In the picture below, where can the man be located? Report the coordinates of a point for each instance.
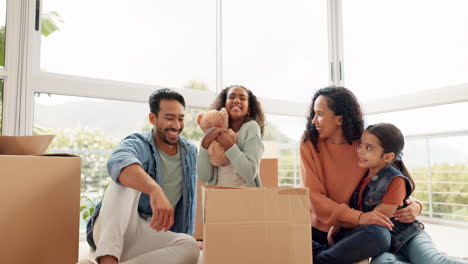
(148, 211)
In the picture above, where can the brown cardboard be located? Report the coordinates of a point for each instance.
(256, 225)
(198, 233)
(39, 203)
(269, 172)
(27, 145)
(268, 177)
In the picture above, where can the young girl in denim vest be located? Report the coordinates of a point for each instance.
(384, 188)
(387, 183)
(246, 119)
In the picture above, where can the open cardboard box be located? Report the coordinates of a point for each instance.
(256, 225)
(268, 177)
(39, 202)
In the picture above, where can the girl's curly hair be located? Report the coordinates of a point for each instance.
(255, 109)
(343, 103)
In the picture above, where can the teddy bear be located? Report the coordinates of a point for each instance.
(215, 118)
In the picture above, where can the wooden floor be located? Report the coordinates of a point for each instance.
(449, 239)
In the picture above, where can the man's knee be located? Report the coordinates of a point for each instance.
(190, 248)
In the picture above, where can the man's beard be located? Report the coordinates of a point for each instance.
(162, 135)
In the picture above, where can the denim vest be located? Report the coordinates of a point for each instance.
(141, 149)
(372, 196)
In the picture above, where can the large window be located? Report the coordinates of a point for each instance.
(397, 47)
(169, 43)
(282, 137)
(2, 54)
(276, 48)
(2, 32)
(91, 128)
(426, 120)
(88, 127)
(1, 105)
(439, 166)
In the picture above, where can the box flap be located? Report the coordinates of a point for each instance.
(262, 205)
(24, 145)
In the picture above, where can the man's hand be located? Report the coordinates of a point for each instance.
(200, 244)
(108, 259)
(226, 140)
(409, 213)
(210, 135)
(375, 218)
(331, 233)
(163, 213)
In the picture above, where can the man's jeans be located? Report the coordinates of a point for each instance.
(354, 245)
(120, 232)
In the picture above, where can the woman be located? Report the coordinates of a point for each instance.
(329, 168)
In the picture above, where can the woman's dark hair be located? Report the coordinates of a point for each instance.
(343, 103)
(391, 140)
(163, 94)
(255, 109)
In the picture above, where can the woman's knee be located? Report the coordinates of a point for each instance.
(380, 236)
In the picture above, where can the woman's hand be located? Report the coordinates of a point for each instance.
(375, 218)
(210, 135)
(409, 213)
(332, 233)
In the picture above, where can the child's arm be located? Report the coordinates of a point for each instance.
(393, 198)
(396, 193)
(246, 162)
(205, 170)
(374, 217)
(386, 209)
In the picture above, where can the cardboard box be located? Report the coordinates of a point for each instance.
(268, 177)
(269, 172)
(256, 225)
(198, 234)
(39, 203)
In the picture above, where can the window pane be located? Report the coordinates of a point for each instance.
(168, 43)
(281, 138)
(2, 33)
(278, 49)
(395, 47)
(439, 167)
(425, 120)
(449, 177)
(1, 106)
(92, 128)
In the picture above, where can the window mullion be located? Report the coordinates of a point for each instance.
(335, 43)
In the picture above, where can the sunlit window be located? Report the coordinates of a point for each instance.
(278, 49)
(168, 43)
(397, 47)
